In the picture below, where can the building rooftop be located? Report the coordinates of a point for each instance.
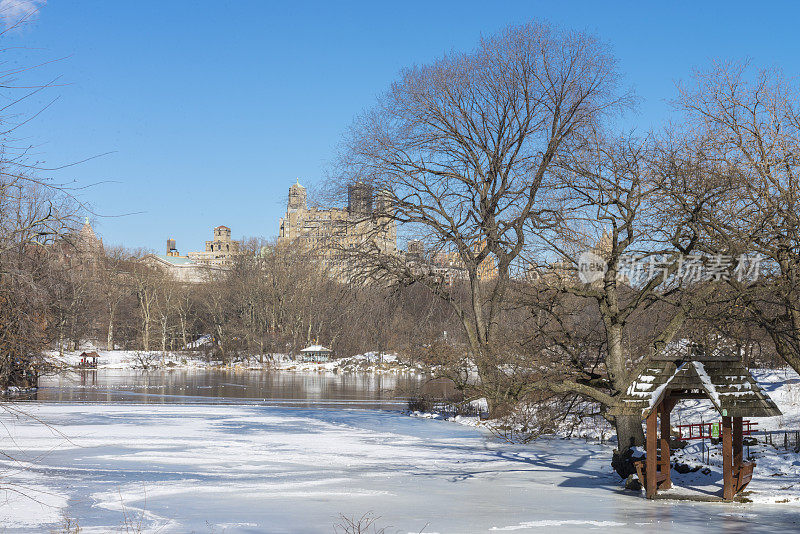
(724, 380)
(316, 348)
(175, 260)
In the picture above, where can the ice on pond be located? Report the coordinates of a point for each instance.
(202, 468)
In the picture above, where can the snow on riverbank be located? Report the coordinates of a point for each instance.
(243, 469)
(136, 359)
(369, 362)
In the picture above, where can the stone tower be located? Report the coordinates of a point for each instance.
(297, 197)
(367, 216)
(359, 198)
(222, 233)
(87, 241)
(220, 250)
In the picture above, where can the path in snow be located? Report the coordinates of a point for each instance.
(206, 468)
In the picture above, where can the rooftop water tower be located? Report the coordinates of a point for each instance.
(172, 249)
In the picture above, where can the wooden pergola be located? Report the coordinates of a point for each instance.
(720, 378)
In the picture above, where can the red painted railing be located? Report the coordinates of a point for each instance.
(703, 430)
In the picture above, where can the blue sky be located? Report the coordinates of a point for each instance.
(211, 109)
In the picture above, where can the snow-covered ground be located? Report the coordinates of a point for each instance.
(777, 475)
(137, 359)
(230, 469)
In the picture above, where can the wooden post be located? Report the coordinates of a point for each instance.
(651, 467)
(727, 459)
(738, 452)
(738, 447)
(666, 407)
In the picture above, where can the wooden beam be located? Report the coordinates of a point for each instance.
(727, 459)
(666, 408)
(651, 469)
(678, 395)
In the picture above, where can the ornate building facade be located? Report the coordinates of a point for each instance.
(326, 230)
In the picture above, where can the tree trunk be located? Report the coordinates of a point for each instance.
(163, 333)
(221, 344)
(183, 332)
(61, 339)
(629, 432)
(110, 339)
(146, 335)
(615, 361)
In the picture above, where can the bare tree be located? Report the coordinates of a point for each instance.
(459, 151)
(165, 304)
(35, 211)
(147, 283)
(30, 275)
(745, 129)
(113, 284)
(219, 313)
(186, 308)
(625, 204)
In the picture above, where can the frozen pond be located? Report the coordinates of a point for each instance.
(366, 390)
(279, 467)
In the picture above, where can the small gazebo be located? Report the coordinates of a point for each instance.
(719, 377)
(89, 360)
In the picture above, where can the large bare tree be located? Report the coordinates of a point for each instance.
(458, 152)
(629, 208)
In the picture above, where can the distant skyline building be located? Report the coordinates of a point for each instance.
(181, 268)
(327, 229)
(324, 230)
(197, 266)
(172, 248)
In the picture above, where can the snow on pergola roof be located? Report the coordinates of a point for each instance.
(720, 377)
(316, 348)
